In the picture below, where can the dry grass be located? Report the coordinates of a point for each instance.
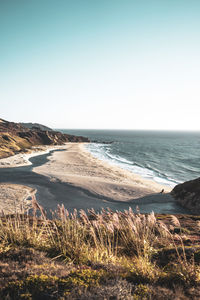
(86, 253)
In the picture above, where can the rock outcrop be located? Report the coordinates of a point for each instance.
(14, 138)
(188, 195)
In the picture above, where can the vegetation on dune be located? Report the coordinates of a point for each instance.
(107, 255)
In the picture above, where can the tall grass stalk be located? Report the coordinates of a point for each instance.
(96, 237)
(22, 230)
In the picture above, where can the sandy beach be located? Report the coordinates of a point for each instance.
(79, 168)
(22, 159)
(15, 198)
(72, 176)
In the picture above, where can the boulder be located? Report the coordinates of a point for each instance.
(188, 195)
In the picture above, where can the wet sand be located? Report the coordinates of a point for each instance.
(72, 176)
(79, 168)
(23, 159)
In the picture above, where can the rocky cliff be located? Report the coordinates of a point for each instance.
(188, 195)
(14, 137)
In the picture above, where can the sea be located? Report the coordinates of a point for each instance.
(166, 157)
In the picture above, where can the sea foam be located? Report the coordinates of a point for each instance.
(103, 152)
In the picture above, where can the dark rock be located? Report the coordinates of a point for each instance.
(188, 195)
(5, 137)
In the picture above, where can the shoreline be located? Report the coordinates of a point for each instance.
(79, 168)
(168, 184)
(22, 159)
(141, 178)
(73, 177)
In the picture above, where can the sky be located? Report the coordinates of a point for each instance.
(101, 64)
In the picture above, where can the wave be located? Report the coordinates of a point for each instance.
(119, 158)
(103, 152)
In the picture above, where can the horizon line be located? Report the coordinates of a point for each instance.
(128, 129)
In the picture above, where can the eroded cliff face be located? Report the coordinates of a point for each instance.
(16, 138)
(188, 195)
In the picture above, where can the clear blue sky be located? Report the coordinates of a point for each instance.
(101, 63)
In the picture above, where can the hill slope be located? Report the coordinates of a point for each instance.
(14, 137)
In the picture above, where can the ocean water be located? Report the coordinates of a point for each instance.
(165, 157)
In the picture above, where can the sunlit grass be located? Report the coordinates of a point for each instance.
(126, 241)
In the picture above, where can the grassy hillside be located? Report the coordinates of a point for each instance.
(11, 143)
(16, 138)
(100, 256)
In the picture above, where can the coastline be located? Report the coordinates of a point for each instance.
(22, 159)
(158, 186)
(79, 168)
(143, 170)
(73, 177)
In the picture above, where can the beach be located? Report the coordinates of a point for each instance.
(15, 198)
(79, 168)
(22, 159)
(70, 175)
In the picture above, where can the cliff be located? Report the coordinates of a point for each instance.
(14, 137)
(188, 195)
